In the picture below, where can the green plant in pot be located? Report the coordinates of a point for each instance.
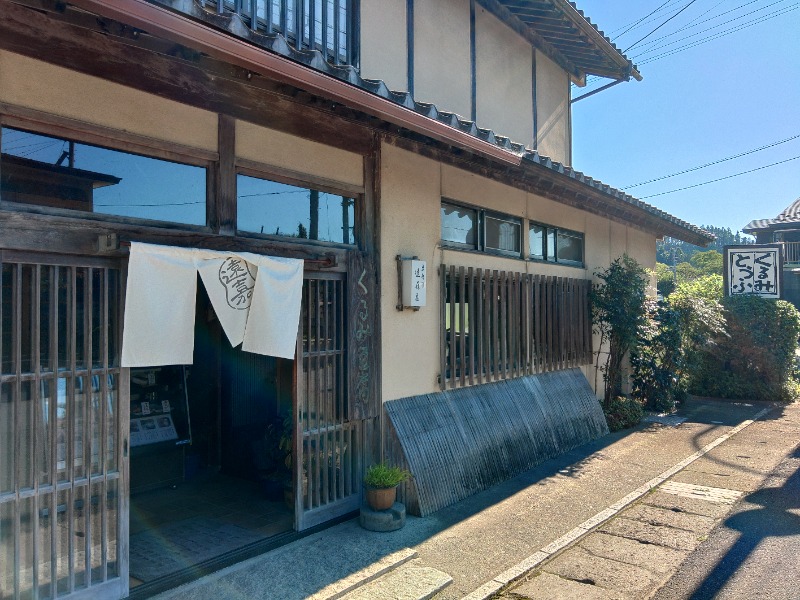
(381, 483)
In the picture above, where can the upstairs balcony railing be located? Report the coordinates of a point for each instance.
(330, 26)
(791, 252)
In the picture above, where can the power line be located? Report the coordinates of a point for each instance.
(640, 20)
(660, 26)
(763, 17)
(719, 35)
(695, 23)
(716, 162)
(688, 187)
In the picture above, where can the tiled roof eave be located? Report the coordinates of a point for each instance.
(560, 25)
(614, 202)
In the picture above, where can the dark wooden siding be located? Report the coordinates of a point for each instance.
(500, 325)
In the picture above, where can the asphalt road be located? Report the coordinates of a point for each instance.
(754, 552)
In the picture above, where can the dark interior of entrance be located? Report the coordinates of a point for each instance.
(210, 454)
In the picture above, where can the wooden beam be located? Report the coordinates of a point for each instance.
(45, 230)
(169, 25)
(224, 216)
(182, 76)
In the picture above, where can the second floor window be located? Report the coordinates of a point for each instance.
(325, 25)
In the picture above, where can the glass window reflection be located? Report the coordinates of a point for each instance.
(61, 173)
(274, 208)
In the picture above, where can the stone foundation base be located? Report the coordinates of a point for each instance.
(390, 519)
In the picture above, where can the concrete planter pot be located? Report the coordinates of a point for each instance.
(381, 498)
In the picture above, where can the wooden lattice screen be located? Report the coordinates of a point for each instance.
(62, 492)
(500, 324)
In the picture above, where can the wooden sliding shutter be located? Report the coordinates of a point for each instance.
(329, 438)
(63, 496)
(500, 325)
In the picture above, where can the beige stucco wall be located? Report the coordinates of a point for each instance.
(411, 193)
(552, 110)
(384, 42)
(442, 55)
(504, 79)
(410, 190)
(34, 84)
(285, 151)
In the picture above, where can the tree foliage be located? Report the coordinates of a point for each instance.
(756, 359)
(618, 312)
(671, 251)
(657, 360)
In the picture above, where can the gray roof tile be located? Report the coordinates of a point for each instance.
(275, 42)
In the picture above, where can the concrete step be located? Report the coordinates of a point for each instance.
(408, 582)
(358, 579)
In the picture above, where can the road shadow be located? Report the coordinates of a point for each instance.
(766, 513)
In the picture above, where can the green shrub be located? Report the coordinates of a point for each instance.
(657, 360)
(757, 359)
(702, 323)
(623, 412)
(384, 476)
(618, 312)
(708, 287)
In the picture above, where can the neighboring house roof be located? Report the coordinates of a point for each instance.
(789, 217)
(610, 200)
(560, 25)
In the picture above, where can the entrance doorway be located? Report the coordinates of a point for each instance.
(211, 447)
(114, 478)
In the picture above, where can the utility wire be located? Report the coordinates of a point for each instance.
(695, 23)
(688, 187)
(716, 162)
(640, 20)
(712, 28)
(660, 26)
(719, 35)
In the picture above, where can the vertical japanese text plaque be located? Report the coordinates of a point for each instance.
(753, 269)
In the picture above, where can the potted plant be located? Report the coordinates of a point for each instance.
(381, 483)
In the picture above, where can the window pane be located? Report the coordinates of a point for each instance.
(536, 236)
(50, 171)
(570, 247)
(459, 225)
(551, 244)
(502, 234)
(274, 208)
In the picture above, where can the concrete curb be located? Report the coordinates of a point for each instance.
(364, 576)
(491, 587)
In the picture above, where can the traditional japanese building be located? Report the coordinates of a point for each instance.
(392, 249)
(784, 230)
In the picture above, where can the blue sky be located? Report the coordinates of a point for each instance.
(719, 99)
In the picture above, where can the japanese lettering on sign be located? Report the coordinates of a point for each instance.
(414, 283)
(753, 270)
